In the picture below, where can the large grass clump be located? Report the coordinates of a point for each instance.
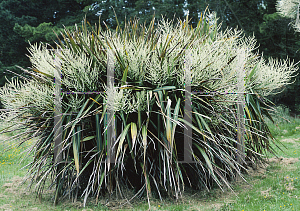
(151, 66)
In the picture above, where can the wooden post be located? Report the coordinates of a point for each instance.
(240, 106)
(57, 125)
(110, 111)
(57, 112)
(188, 132)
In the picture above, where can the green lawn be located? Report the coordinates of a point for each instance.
(275, 187)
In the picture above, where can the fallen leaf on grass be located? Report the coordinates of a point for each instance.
(7, 185)
(266, 192)
(283, 160)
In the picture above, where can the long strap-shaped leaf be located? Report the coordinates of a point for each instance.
(175, 116)
(208, 162)
(133, 134)
(76, 146)
(144, 135)
(98, 134)
(122, 138)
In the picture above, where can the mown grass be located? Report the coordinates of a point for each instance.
(275, 187)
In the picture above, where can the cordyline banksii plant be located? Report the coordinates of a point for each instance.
(290, 9)
(148, 103)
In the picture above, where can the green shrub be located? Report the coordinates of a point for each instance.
(149, 105)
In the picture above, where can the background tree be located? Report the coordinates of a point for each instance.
(35, 21)
(30, 20)
(290, 11)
